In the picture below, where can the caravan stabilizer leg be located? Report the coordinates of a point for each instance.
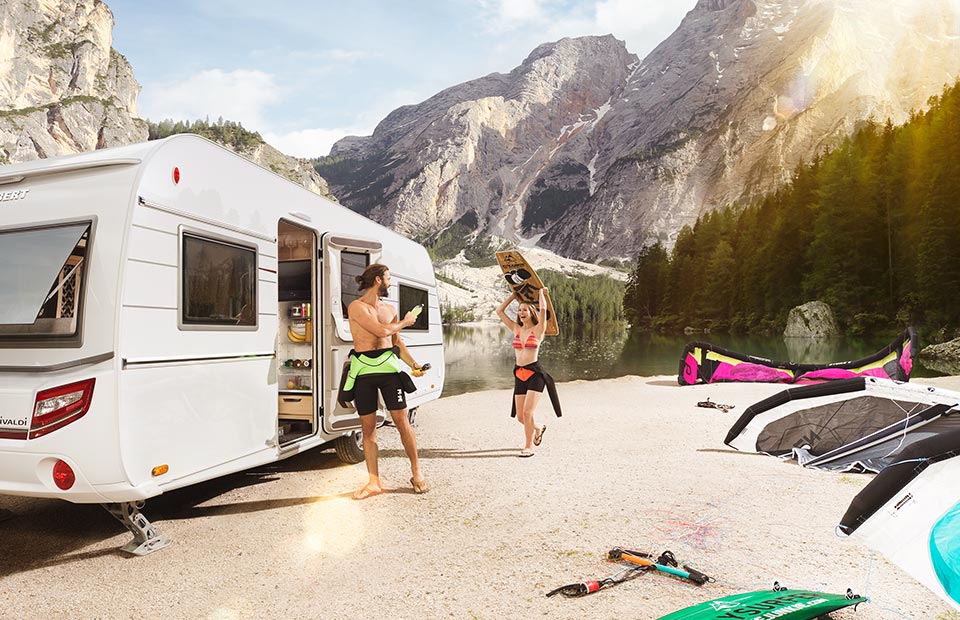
(145, 537)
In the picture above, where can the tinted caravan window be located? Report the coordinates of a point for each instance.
(352, 265)
(411, 296)
(219, 283)
(42, 276)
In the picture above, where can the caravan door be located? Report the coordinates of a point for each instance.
(344, 258)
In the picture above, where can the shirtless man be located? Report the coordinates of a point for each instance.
(376, 333)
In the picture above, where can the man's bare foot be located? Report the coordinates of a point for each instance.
(369, 491)
(419, 486)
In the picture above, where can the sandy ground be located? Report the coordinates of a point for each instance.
(632, 463)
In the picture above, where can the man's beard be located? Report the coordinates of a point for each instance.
(384, 290)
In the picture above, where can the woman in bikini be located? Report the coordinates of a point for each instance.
(529, 377)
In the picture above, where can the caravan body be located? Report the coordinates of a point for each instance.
(171, 312)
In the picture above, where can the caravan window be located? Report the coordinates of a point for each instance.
(411, 297)
(218, 283)
(42, 282)
(352, 265)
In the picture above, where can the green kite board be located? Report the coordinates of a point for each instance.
(767, 605)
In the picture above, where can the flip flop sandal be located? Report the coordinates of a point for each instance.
(526, 453)
(419, 489)
(538, 436)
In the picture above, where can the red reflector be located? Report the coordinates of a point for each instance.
(59, 406)
(63, 475)
(176, 175)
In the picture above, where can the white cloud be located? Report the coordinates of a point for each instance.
(310, 142)
(505, 15)
(240, 95)
(520, 10)
(643, 25)
(317, 141)
(346, 56)
(628, 16)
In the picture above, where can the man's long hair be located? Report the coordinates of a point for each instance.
(368, 278)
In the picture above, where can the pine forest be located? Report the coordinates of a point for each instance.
(871, 228)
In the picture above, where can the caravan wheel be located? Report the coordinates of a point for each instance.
(349, 447)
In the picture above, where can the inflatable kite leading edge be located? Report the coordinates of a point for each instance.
(703, 362)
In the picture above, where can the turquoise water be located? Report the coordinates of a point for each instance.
(481, 358)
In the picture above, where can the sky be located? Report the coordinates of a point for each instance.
(307, 73)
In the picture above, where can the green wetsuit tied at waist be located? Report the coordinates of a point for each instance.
(359, 383)
(376, 362)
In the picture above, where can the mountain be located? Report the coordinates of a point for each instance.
(584, 150)
(64, 89)
(510, 152)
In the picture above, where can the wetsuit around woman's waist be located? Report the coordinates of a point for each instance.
(532, 377)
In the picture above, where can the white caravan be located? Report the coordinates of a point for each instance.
(171, 312)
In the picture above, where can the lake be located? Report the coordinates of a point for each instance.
(480, 357)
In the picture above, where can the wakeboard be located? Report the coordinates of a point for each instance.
(526, 284)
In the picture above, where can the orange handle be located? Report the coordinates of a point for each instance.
(635, 559)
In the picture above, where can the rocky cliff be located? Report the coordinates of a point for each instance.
(488, 148)
(585, 150)
(725, 108)
(300, 171)
(64, 89)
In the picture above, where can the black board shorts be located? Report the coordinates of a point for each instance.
(389, 385)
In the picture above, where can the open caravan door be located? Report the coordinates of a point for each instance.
(344, 258)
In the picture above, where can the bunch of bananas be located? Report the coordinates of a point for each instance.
(294, 336)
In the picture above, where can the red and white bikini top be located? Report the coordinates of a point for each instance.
(532, 342)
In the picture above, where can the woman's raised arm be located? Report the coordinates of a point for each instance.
(543, 312)
(502, 313)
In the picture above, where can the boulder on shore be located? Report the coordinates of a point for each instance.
(811, 320)
(943, 357)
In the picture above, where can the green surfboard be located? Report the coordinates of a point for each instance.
(767, 605)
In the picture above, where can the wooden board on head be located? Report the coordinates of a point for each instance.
(526, 284)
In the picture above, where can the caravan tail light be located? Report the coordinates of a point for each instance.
(63, 475)
(59, 406)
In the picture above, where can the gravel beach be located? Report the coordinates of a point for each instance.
(632, 463)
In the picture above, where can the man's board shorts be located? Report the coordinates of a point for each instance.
(372, 373)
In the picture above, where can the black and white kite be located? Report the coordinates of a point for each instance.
(859, 424)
